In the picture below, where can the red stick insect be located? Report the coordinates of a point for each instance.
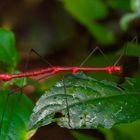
(53, 70)
(58, 69)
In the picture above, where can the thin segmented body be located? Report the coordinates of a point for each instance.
(54, 70)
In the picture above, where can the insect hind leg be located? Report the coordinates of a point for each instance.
(21, 90)
(44, 60)
(92, 52)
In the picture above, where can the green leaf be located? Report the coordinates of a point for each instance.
(80, 136)
(133, 49)
(86, 12)
(16, 118)
(132, 85)
(8, 52)
(119, 4)
(128, 131)
(135, 5)
(90, 104)
(126, 19)
(102, 34)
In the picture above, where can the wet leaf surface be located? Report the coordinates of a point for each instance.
(87, 103)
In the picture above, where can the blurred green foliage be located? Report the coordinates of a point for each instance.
(8, 52)
(129, 17)
(87, 12)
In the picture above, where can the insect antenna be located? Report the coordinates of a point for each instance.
(120, 57)
(124, 52)
(134, 40)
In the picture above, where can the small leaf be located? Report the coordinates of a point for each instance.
(89, 104)
(135, 5)
(126, 19)
(8, 52)
(132, 49)
(14, 126)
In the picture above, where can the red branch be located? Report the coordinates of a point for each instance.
(54, 70)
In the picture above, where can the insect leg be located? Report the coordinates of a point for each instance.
(92, 52)
(21, 91)
(67, 104)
